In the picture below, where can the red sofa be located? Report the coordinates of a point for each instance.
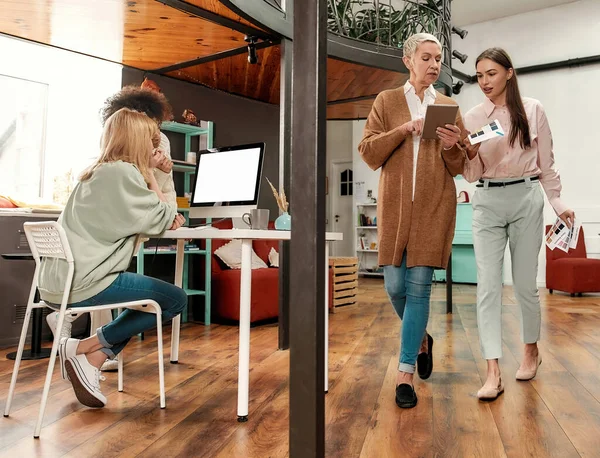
(572, 272)
(265, 283)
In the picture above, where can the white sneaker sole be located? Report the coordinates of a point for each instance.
(83, 391)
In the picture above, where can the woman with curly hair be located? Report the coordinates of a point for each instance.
(148, 100)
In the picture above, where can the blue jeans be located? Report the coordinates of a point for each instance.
(409, 291)
(132, 287)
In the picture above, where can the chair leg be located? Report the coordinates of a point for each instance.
(120, 372)
(580, 294)
(572, 294)
(551, 291)
(120, 363)
(175, 327)
(51, 363)
(13, 380)
(161, 363)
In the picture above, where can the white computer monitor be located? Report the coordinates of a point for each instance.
(227, 181)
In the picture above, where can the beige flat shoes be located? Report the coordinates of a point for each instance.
(489, 394)
(524, 375)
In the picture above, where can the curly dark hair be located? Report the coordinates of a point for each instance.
(154, 104)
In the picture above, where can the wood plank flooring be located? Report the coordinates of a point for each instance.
(555, 415)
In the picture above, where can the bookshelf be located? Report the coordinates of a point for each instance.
(366, 240)
(205, 134)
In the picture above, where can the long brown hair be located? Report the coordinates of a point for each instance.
(519, 123)
(125, 138)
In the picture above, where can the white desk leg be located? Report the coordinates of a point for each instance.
(175, 325)
(326, 317)
(244, 348)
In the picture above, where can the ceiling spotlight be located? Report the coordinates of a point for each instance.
(457, 87)
(462, 33)
(252, 57)
(460, 56)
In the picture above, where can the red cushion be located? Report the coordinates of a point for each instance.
(263, 247)
(265, 294)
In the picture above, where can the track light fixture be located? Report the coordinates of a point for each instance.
(462, 33)
(460, 56)
(457, 87)
(252, 57)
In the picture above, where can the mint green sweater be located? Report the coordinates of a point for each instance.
(102, 219)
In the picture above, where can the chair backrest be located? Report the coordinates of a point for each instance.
(47, 239)
(578, 252)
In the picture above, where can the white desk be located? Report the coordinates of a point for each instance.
(246, 236)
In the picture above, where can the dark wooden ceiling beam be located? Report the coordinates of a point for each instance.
(213, 17)
(213, 57)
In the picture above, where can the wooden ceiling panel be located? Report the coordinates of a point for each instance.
(217, 7)
(347, 80)
(261, 81)
(141, 33)
(350, 110)
(236, 76)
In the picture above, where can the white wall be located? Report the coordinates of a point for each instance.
(78, 87)
(339, 148)
(569, 96)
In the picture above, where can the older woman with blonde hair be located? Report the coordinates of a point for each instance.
(116, 199)
(416, 203)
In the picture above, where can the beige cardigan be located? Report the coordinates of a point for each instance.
(423, 228)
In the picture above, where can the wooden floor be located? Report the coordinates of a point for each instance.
(557, 414)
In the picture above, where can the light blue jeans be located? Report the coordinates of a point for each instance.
(132, 287)
(409, 290)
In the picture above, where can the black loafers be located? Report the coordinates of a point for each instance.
(406, 398)
(425, 360)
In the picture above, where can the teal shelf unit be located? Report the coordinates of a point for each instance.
(464, 267)
(188, 170)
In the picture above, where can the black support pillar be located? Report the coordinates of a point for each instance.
(307, 248)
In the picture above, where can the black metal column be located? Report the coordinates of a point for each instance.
(285, 141)
(307, 267)
(449, 286)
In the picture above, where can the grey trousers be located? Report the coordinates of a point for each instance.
(513, 213)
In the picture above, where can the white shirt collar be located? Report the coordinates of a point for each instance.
(430, 91)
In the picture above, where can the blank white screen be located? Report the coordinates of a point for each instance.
(228, 176)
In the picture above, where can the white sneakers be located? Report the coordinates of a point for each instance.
(85, 379)
(110, 365)
(52, 320)
(66, 349)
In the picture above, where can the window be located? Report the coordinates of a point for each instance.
(22, 136)
(346, 183)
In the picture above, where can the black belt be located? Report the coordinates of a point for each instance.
(503, 184)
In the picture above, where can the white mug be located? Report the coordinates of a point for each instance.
(191, 157)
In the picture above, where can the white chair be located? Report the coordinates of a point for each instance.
(48, 239)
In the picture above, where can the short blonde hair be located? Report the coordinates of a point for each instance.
(125, 138)
(412, 43)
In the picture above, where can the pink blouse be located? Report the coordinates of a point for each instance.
(496, 159)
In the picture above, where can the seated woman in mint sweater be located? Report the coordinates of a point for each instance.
(116, 199)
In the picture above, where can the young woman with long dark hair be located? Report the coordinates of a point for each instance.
(508, 206)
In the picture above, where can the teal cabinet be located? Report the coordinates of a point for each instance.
(464, 268)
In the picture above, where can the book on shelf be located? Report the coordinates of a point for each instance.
(364, 220)
(363, 243)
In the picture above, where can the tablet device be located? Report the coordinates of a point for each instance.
(438, 116)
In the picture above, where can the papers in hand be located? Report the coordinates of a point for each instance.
(491, 130)
(561, 237)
